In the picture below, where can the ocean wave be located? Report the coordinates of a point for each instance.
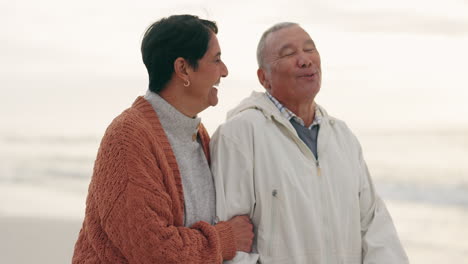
(453, 195)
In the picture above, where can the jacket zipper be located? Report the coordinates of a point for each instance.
(319, 171)
(325, 222)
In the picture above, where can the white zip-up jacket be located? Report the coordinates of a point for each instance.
(303, 210)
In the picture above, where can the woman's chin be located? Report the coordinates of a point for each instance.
(213, 96)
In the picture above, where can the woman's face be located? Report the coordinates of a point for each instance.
(206, 77)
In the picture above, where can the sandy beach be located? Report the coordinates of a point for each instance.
(39, 224)
(36, 240)
(429, 233)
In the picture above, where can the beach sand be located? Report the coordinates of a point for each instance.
(36, 240)
(429, 233)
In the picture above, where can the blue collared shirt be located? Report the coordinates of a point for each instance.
(309, 135)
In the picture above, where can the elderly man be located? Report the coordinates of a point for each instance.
(297, 171)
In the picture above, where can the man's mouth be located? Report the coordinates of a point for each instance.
(308, 75)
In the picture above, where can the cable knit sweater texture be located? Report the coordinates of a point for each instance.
(135, 204)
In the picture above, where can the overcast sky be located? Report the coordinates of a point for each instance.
(397, 60)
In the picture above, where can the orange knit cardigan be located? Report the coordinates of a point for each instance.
(135, 204)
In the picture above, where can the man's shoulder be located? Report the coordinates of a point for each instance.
(246, 119)
(248, 115)
(331, 119)
(339, 127)
(337, 123)
(240, 127)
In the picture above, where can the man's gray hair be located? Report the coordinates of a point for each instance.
(262, 42)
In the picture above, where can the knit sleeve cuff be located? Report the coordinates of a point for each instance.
(227, 240)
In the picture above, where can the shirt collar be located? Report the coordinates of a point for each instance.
(288, 114)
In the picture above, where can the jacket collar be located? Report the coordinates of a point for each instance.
(260, 102)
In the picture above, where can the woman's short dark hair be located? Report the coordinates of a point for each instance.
(166, 40)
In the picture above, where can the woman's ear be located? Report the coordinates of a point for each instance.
(181, 68)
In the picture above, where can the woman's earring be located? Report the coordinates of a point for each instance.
(187, 83)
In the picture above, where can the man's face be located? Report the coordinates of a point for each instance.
(291, 70)
(208, 74)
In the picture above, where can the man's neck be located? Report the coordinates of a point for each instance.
(306, 111)
(304, 108)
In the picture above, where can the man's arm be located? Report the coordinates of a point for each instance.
(232, 167)
(380, 242)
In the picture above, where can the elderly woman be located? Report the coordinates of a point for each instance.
(151, 198)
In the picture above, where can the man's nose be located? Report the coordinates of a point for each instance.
(304, 61)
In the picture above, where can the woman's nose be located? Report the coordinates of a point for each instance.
(225, 71)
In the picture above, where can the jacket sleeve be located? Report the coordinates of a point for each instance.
(231, 164)
(140, 220)
(380, 242)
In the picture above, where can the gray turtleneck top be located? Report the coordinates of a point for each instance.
(197, 180)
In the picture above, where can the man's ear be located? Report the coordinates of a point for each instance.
(262, 78)
(181, 69)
